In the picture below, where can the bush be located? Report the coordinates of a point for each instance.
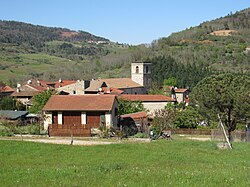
(5, 131)
(34, 129)
(140, 135)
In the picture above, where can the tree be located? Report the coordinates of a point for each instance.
(163, 119)
(227, 95)
(170, 82)
(39, 101)
(188, 118)
(8, 103)
(127, 107)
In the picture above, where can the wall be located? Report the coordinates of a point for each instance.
(143, 77)
(139, 90)
(47, 120)
(78, 87)
(152, 106)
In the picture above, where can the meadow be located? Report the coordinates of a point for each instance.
(158, 163)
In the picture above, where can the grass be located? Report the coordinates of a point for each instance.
(159, 163)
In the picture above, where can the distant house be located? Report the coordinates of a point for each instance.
(80, 113)
(150, 102)
(24, 93)
(95, 86)
(181, 95)
(75, 88)
(140, 119)
(127, 85)
(32, 87)
(5, 90)
(12, 115)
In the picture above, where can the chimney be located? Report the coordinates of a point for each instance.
(29, 81)
(60, 80)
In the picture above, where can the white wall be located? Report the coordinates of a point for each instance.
(47, 120)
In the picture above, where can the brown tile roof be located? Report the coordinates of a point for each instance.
(24, 93)
(80, 103)
(147, 98)
(137, 115)
(95, 85)
(180, 90)
(121, 83)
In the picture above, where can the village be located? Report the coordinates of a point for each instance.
(86, 105)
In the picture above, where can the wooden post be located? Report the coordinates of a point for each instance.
(229, 144)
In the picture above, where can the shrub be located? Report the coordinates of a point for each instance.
(34, 129)
(5, 131)
(140, 135)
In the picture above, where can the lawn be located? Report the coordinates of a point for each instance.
(159, 163)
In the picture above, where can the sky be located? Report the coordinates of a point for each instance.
(123, 21)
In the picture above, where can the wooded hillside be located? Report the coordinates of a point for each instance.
(221, 45)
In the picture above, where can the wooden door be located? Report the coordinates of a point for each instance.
(54, 118)
(72, 118)
(94, 119)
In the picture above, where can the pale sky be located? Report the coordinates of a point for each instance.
(124, 21)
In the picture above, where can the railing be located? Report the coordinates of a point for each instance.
(69, 130)
(191, 131)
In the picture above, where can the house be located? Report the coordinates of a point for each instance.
(181, 95)
(79, 114)
(127, 85)
(95, 86)
(5, 90)
(150, 102)
(32, 87)
(24, 93)
(139, 118)
(12, 115)
(76, 88)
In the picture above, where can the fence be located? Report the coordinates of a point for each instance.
(69, 129)
(235, 135)
(192, 131)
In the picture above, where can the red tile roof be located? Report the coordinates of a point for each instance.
(80, 103)
(5, 89)
(137, 115)
(147, 98)
(64, 83)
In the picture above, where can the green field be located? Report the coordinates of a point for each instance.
(159, 163)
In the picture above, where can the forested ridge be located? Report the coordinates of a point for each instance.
(28, 50)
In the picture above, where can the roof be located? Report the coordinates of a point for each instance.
(6, 89)
(80, 103)
(24, 93)
(147, 98)
(137, 115)
(10, 114)
(111, 91)
(95, 85)
(180, 90)
(62, 83)
(121, 83)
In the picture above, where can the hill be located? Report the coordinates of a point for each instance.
(218, 46)
(28, 50)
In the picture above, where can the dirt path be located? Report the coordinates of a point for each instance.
(76, 141)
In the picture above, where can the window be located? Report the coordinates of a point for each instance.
(146, 69)
(74, 92)
(136, 69)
